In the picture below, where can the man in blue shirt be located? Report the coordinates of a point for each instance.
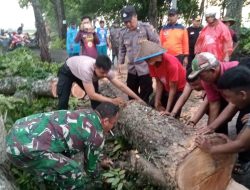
(72, 47)
(102, 34)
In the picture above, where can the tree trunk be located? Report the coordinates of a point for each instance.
(60, 17)
(41, 31)
(3, 155)
(42, 88)
(169, 146)
(45, 87)
(201, 9)
(153, 13)
(234, 10)
(6, 181)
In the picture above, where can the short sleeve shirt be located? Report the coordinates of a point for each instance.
(102, 35)
(213, 94)
(83, 68)
(170, 70)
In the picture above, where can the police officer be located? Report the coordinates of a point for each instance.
(130, 41)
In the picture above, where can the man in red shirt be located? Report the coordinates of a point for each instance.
(209, 69)
(168, 72)
(87, 38)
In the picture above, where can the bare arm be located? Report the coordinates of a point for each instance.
(225, 115)
(158, 93)
(201, 111)
(90, 90)
(213, 111)
(241, 143)
(96, 39)
(182, 99)
(171, 95)
(78, 37)
(124, 88)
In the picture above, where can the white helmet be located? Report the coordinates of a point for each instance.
(210, 12)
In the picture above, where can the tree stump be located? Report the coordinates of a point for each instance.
(169, 147)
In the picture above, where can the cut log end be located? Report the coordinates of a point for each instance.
(201, 171)
(77, 91)
(54, 89)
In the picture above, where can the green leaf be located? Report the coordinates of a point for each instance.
(122, 176)
(115, 182)
(120, 185)
(108, 175)
(110, 180)
(122, 172)
(117, 147)
(117, 170)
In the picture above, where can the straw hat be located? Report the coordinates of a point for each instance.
(148, 50)
(228, 19)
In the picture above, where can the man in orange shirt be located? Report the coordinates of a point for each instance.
(174, 38)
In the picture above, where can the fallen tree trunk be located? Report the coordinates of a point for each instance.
(6, 180)
(45, 87)
(9, 85)
(41, 88)
(168, 147)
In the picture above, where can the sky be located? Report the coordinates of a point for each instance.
(11, 16)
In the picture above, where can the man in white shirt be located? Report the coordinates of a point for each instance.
(86, 72)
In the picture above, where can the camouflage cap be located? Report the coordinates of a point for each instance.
(202, 62)
(228, 19)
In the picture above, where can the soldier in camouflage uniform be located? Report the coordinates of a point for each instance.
(45, 142)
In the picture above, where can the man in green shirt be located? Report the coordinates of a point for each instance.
(45, 142)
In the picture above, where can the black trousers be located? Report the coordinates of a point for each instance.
(243, 156)
(144, 82)
(65, 81)
(180, 58)
(164, 101)
(224, 127)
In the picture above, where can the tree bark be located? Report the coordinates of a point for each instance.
(153, 13)
(6, 181)
(42, 88)
(41, 31)
(169, 146)
(45, 87)
(234, 10)
(60, 17)
(201, 9)
(3, 155)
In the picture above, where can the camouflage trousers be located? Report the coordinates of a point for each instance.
(61, 170)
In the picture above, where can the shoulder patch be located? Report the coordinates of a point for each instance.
(148, 26)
